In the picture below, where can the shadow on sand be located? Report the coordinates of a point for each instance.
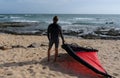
(65, 64)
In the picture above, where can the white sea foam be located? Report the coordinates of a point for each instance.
(65, 22)
(13, 17)
(27, 15)
(23, 20)
(83, 18)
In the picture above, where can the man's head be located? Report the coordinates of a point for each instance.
(55, 19)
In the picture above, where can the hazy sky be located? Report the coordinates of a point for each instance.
(61, 6)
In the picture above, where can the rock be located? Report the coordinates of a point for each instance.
(34, 45)
(107, 31)
(113, 32)
(90, 36)
(21, 33)
(111, 22)
(18, 46)
(106, 23)
(101, 31)
(5, 47)
(17, 24)
(72, 33)
(43, 45)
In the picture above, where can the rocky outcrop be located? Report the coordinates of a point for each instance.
(17, 24)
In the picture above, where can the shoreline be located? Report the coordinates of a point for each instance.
(32, 62)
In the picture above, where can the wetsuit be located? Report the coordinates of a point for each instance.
(53, 32)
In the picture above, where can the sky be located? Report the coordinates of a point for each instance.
(60, 6)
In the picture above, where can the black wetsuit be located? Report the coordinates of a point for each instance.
(53, 32)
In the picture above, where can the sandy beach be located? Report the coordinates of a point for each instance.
(18, 61)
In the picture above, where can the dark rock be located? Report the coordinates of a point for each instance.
(111, 22)
(34, 45)
(5, 47)
(108, 33)
(106, 23)
(101, 30)
(21, 33)
(90, 36)
(43, 45)
(18, 46)
(17, 24)
(113, 32)
(72, 33)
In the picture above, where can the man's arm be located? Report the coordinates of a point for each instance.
(61, 34)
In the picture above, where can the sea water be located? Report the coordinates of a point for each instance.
(74, 22)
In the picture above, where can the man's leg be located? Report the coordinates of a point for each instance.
(56, 54)
(56, 49)
(49, 54)
(50, 46)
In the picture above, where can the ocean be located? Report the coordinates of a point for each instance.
(87, 23)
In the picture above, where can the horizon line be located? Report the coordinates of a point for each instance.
(64, 13)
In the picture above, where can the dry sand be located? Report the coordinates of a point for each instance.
(32, 62)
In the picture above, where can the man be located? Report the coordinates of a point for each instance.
(53, 32)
